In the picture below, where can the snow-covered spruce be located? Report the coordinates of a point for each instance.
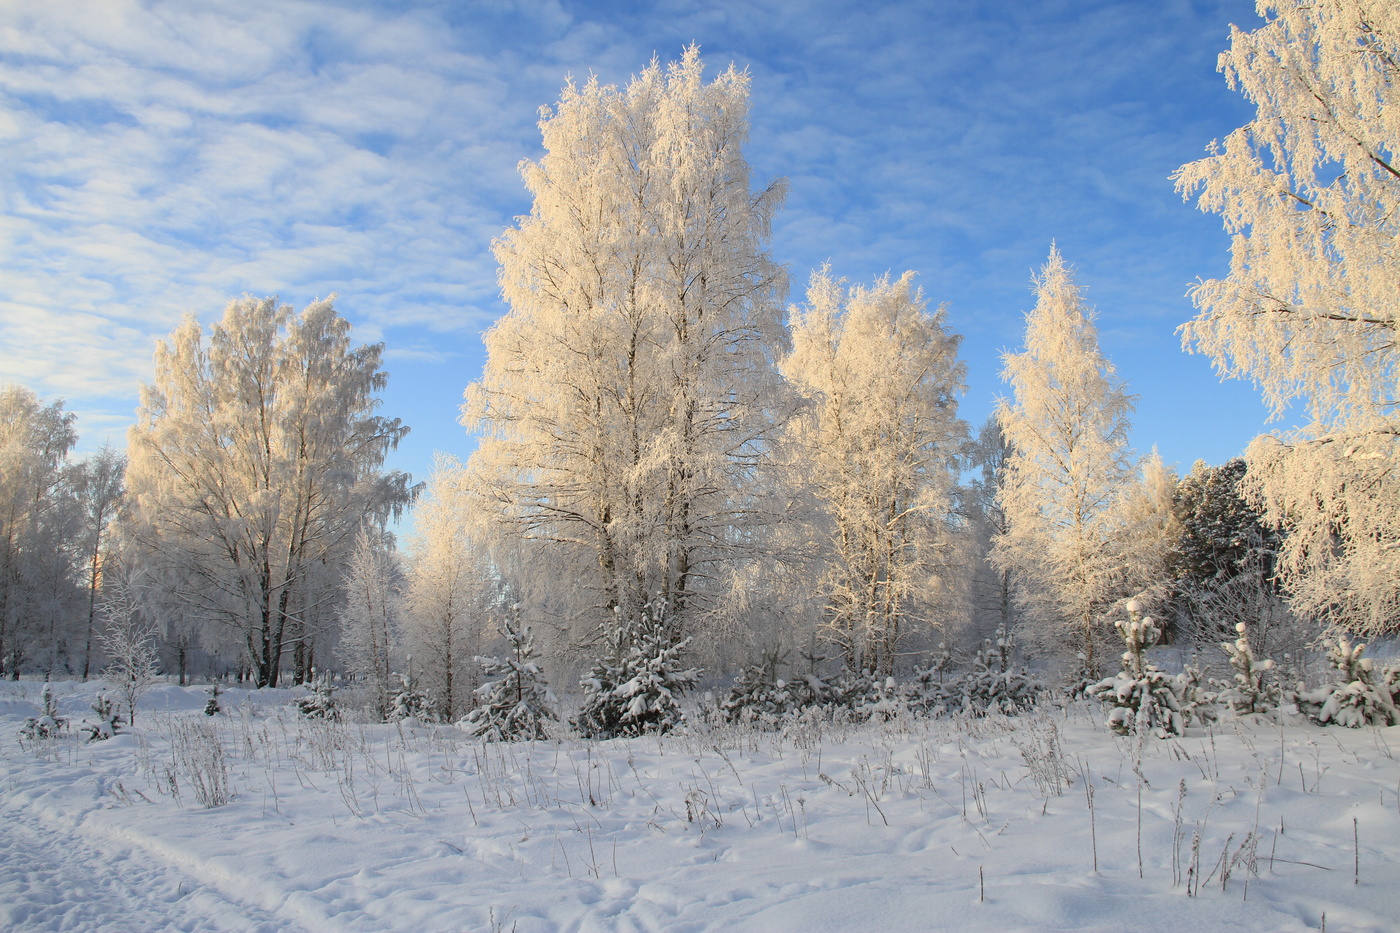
(1364, 694)
(46, 725)
(320, 703)
(1253, 689)
(408, 701)
(994, 684)
(759, 696)
(517, 703)
(1144, 699)
(108, 721)
(636, 691)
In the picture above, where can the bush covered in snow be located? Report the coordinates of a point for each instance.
(1365, 694)
(1253, 689)
(46, 725)
(759, 695)
(408, 701)
(1144, 699)
(320, 703)
(637, 689)
(517, 703)
(108, 721)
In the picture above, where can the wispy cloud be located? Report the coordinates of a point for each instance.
(164, 156)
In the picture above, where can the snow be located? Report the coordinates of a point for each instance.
(906, 825)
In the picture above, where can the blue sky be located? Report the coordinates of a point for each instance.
(164, 156)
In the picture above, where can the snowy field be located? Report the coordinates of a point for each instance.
(1046, 822)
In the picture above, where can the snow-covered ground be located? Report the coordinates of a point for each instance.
(908, 825)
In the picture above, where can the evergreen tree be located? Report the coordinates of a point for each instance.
(637, 688)
(514, 702)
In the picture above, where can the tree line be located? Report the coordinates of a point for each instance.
(669, 456)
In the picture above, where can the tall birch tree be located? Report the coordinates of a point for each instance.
(627, 396)
(1310, 192)
(36, 581)
(450, 590)
(254, 461)
(98, 486)
(878, 442)
(1067, 425)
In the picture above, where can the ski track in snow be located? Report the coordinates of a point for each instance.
(51, 879)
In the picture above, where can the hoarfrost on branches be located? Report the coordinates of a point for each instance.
(1310, 192)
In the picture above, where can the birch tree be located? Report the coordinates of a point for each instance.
(253, 463)
(369, 617)
(1309, 190)
(36, 586)
(878, 442)
(1067, 424)
(449, 591)
(98, 486)
(627, 396)
(993, 592)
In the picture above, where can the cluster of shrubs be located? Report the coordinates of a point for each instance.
(105, 722)
(1144, 699)
(993, 684)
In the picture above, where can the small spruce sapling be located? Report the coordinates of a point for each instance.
(637, 690)
(408, 701)
(1144, 699)
(994, 685)
(48, 724)
(517, 703)
(1364, 695)
(108, 722)
(1254, 689)
(759, 695)
(320, 703)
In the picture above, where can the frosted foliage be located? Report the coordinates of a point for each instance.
(1067, 426)
(1148, 528)
(253, 462)
(878, 444)
(449, 585)
(369, 618)
(34, 573)
(627, 395)
(1310, 191)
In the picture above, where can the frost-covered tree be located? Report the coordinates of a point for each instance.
(993, 594)
(1147, 530)
(36, 581)
(98, 485)
(128, 640)
(1222, 564)
(627, 397)
(1068, 428)
(369, 617)
(450, 588)
(1310, 192)
(515, 702)
(878, 443)
(254, 461)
